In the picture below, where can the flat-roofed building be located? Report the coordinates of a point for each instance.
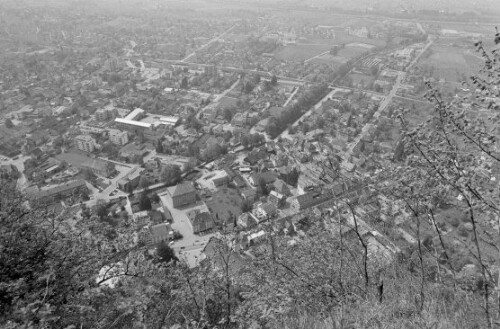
(118, 137)
(169, 120)
(85, 143)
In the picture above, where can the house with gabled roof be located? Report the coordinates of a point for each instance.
(281, 187)
(202, 222)
(161, 233)
(184, 194)
(268, 177)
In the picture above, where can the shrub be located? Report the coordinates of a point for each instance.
(454, 222)
(462, 231)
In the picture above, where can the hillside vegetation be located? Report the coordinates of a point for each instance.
(56, 275)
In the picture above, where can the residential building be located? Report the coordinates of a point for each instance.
(211, 70)
(310, 199)
(184, 194)
(89, 129)
(130, 181)
(118, 137)
(282, 187)
(161, 233)
(240, 119)
(266, 211)
(141, 218)
(80, 161)
(58, 192)
(21, 113)
(59, 110)
(85, 143)
(267, 177)
(102, 114)
(202, 222)
(249, 194)
(277, 198)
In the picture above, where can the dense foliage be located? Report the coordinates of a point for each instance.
(60, 272)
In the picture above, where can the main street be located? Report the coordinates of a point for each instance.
(218, 98)
(385, 102)
(208, 43)
(285, 134)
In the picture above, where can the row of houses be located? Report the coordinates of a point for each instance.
(57, 192)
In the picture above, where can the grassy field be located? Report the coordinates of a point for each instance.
(227, 102)
(301, 52)
(344, 54)
(357, 78)
(352, 51)
(343, 37)
(225, 204)
(451, 63)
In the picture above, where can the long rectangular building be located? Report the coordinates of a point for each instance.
(58, 192)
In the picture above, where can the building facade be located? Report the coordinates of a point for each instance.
(85, 143)
(184, 194)
(118, 137)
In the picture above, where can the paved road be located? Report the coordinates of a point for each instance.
(209, 43)
(285, 134)
(429, 43)
(218, 98)
(383, 105)
(291, 97)
(317, 56)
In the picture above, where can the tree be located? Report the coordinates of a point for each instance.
(228, 114)
(246, 206)
(274, 81)
(8, 123)
(155, 198)
(165, 253)
(159, 146)
(88, 175)
(248, 87)
(144, 182)
(58, 267)
(184, 83)
(102, 211)
(171, 174)
(144, 202)
(263, 189)
(441, 152)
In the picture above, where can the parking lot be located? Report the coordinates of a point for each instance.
(191, 245)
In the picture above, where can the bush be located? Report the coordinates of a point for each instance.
(462, 231)
(177, 235)
(454, 222)
(428, 242)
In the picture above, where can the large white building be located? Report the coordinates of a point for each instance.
(118, 137)
(85, 143)
(137, 120)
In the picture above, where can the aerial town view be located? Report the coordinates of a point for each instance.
(227, 164)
